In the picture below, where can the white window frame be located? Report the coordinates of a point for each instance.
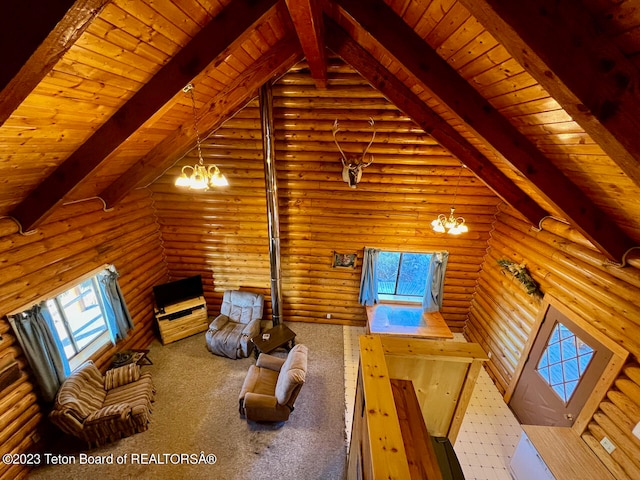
(62, 315)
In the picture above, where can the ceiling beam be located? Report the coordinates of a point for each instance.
(308, 21)
(34, 35)
(230, 27)
(272, 64)
(407, 101)
(436, 75)
(563, 48)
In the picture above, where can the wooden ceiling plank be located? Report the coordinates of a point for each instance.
(275, 62)
(438, 76)
(308, 22)
(598, 86)
(229, 28)
(383, 80)
(19, 78)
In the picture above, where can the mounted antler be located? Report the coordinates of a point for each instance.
(352, 166)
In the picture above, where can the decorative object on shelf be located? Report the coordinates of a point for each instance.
(352, 166)
(344, 260)
(201, 176)
(452, 225)
(522, 274)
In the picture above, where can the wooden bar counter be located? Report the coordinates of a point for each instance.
(442, 375)
(406, 320)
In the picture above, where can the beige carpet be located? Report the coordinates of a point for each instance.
(196, 413)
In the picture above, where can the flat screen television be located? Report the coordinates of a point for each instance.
(178, 291)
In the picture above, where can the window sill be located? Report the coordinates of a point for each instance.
(87, 352)
(399, 300)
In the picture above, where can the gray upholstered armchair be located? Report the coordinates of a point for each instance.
(230, 333)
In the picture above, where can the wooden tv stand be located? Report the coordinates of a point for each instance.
(182, 319)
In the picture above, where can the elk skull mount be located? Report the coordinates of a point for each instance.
(352, 166)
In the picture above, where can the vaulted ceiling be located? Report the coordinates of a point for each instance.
(539, 98)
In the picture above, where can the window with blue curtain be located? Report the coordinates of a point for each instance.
(63, 331)
(403, 276)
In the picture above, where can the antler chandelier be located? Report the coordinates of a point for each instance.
(201, 175)
(452, 225)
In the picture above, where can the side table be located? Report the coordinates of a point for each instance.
(278, 336)
(126, 357)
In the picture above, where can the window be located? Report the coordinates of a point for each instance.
(79, 319)
(403, 276)
(564, 361)
(78, 322)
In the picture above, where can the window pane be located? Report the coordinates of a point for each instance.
(413, 274)
(83, 313)
(388, 272)
(69, 351)
(563, 361)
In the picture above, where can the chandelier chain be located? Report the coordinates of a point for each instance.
(451, 224)
(189, 89)
(455, 193)
(201, 176)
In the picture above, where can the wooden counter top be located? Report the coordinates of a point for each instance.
(566, 454)
(406, 320)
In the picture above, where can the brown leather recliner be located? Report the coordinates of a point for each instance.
(272, 386)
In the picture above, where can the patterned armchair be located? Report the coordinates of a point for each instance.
(102, 409)
(230, 333)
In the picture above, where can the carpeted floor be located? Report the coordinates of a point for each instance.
(196, 411)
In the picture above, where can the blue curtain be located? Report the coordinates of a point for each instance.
(118, 316)
(41, 345)
(369, 279)
(432, 301)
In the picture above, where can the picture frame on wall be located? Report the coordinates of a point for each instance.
(344, 260)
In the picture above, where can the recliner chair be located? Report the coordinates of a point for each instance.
(272, 386)
(230, 333)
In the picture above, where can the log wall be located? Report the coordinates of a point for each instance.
(77, 239)
(568, 268)
(222, 234)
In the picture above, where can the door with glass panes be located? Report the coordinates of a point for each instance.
(562, 370)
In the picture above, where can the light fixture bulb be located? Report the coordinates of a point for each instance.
(217, 179)
(199, 179)
(183, 180)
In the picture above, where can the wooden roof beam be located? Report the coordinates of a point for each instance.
(230, 27)
(34, 35)
(272, 64)
(308, 22)
(407, 101)
(435, 74)
(561, 46)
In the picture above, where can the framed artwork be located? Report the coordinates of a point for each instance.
(344, 260)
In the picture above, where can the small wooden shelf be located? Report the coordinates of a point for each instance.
(182, 319)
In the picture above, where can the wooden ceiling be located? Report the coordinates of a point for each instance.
(538, 98)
